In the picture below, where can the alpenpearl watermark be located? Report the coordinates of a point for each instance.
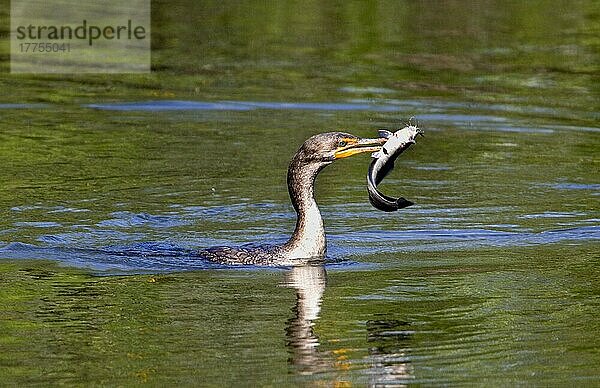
(68, 36)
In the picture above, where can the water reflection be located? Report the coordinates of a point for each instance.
(387, 361)
(388, 343)
(309, 282)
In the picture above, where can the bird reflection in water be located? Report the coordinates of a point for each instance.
(387, 362)
(309, 281)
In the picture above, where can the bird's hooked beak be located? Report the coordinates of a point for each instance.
(358, 146)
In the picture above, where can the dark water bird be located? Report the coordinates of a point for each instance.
(307, 243)
(383, 163)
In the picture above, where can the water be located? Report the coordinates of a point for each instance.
(110, 184)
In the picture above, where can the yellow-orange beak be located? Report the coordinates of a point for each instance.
(358, 146)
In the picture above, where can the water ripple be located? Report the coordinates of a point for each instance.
(180, 256)
(127, 219)
(396, 241)
(173, 105)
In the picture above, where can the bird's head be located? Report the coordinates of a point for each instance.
(325, 148)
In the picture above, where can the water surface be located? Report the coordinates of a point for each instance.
(110, 184)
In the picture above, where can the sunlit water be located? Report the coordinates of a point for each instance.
(491, 278)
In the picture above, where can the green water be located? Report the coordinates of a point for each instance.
(490, 279)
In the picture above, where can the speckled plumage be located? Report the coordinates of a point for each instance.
(308, 241)
(267, 255)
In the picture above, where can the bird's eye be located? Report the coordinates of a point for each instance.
(342, 143)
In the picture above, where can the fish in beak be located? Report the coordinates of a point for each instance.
(383, 163)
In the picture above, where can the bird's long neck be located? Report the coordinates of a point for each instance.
(308, 239)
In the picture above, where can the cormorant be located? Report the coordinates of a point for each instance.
(307, 243)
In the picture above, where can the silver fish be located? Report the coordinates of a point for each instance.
(383, 163)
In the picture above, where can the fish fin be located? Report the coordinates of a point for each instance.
(384, 133)
(383, 202)
(388, 204)
(403, 202)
